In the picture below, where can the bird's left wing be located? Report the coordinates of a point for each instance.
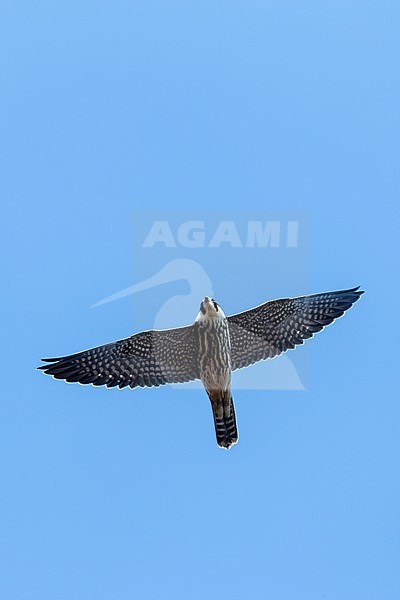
(150, 358)
(274, 327)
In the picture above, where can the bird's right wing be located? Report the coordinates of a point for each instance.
(150, 358)
(274, 327)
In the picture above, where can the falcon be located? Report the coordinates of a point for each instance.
(209, 350)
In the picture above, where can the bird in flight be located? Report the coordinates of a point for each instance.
(209, 350)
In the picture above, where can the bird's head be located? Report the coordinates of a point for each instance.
(210, 309)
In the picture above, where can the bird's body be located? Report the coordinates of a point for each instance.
(208, 350)
(215, 369)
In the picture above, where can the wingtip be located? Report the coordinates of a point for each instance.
(358, 291)
(355, 290)
(50, 363)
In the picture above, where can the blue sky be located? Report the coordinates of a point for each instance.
(263, 107)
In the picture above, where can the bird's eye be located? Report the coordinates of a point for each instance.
(215, 305)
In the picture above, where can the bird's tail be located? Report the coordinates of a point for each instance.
(224, 419)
